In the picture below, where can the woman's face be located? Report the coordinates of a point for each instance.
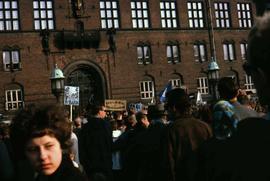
(44, 154)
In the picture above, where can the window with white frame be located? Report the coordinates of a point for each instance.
(140, 14)
(43, 14)
(168, 14)
(147, 89)
(228, 51)
(176, 83)
(202, 85)
(9, 15)
(199, 52)
(14, 99)
(195, 14)
(144, 54)
(249, 85)
(173, 54)
(222, 14)
(244, 13)
(243, 49)
(11, 60)
(109, 14)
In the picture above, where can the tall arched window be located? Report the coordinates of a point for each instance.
(147, 88)
(14, 97)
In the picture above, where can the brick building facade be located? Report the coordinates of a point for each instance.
(118, 49)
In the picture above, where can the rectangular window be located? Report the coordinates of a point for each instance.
(172, 53)
(244, 13)
(222, 14)
(9, 15)
(249, 85)
(144, 54)
(109, 14)
(11, 60)
(43, 14)
(228, 50)
(243, 48)
(147, 89)
(176, 83)
(14, 99)
(195, 14)
(168, 14)
(140, 14)
(202, 85)
(199, 52)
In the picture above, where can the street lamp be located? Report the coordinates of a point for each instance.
(57, 84)
(213, 76)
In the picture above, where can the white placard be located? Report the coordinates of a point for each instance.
(71, 96)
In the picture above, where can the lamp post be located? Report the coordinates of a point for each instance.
(213, 76)
(57, 84)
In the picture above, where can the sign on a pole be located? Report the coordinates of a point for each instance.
(71, 96)
(115, 105)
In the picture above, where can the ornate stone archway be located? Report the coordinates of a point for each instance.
(89, 78)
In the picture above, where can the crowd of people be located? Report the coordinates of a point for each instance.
(228, 140)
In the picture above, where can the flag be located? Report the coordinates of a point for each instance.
(162, 94)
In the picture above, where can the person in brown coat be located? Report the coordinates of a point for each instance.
(184, 137)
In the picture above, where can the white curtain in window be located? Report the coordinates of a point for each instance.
(175, 51)
(231, 51)
(6, 57)
(225, 51)
(139, 53)
(196, 52)
(146, 51)
(169, 53)
(202, 52)
(15, 57)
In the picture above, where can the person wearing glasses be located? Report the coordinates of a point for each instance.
(95, 144)
(246, 155)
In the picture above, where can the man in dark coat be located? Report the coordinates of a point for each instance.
(95, 145)
(245, 157)
(185, 135)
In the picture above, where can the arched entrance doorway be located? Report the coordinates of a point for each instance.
(90, 80)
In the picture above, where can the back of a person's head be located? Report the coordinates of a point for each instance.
(179, 99)
(205, 114)
(227, 88)
(156, 111)
(259, 43)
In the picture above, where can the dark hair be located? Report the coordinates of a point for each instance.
(205, 113)
(259, 44)
(227, 88)
(179, 99)
(139, 116)
(37, 122)
(156, 111)
(93, 109)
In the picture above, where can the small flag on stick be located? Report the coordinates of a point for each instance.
(162, 94)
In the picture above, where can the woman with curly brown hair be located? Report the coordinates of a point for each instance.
(44, 136)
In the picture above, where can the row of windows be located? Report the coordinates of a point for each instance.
(199, 52)
(14, 97)
(43, 13)
(12, 60)
(147, 88)
(109, 13)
